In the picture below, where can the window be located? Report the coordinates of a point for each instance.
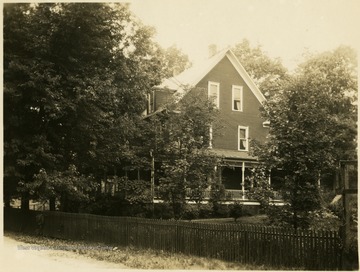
(243, 135)
(237, 98)
(151, 102)
(213, 92)
(266, 124)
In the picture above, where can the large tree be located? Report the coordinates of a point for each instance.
(175, 61)
(75, 78)
(312, 127)
(179, 139)
(269, 74)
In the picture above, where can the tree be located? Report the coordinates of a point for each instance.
(174, 61)
(312, 127)
(75, 82)
(180, 141)
(268, 74)
(71, 187)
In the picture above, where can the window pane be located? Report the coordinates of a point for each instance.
(242, 133)
(213, 93)
(237, 94)
(237, 98)
(213, 90)
(242, 144)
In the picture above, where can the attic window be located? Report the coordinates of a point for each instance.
(237, 98)
(213, 92)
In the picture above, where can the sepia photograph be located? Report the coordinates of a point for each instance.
(180, 135)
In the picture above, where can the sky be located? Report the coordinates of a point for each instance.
(285, 29)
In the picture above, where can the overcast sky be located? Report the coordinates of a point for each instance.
(285, 28)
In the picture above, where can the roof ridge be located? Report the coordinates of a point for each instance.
(193, 75)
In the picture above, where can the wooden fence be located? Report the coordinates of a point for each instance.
(248, 244)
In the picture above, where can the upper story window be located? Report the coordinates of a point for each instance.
(237, 98)
(243, 138)
(213, 92)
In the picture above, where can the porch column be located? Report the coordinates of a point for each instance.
(152, 176)
(243, 179)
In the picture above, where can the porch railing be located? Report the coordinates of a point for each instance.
(230, 195)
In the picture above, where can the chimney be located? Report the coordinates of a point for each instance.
(212, 50)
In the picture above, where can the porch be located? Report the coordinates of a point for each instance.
(229, 196)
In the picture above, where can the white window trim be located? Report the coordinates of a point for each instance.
(151, 102)
(247, 138)
(266, 124)
(241, 97)
(218, 92)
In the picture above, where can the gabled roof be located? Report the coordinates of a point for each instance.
(196, 73)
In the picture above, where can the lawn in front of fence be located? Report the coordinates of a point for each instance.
(131, 257)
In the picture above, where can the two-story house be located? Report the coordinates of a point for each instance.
(239, 101)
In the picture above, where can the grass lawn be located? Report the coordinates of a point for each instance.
(134, 258)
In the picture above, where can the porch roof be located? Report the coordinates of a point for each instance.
(233, 154)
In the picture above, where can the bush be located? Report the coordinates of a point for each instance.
(163, 211)
(220, 210)
(190, 212)
(103, 205)
(236, 210)
(205, 211)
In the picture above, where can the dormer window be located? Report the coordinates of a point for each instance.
(213, 92)
(237, 98)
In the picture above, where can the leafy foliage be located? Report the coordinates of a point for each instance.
(73, 188)
(312, 127)
(75, 82)
(181, 144)
(135, 191)
(268, 74)
(236, 210)
(261, 190)
(174, 61)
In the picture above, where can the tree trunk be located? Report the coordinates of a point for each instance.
(63, 203)
(25, 205)
(52, 204)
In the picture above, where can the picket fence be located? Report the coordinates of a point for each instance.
(271, 247)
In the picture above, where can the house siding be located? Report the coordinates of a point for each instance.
(161, 98)
(227, 138)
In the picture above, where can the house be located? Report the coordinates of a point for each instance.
(239, 101)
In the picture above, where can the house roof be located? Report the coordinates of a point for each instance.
(193, 75)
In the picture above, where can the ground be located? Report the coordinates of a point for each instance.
(19, 256)
(75, 255)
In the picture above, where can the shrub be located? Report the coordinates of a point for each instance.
(104, 205)
(220, 210)
(205, 211)
(190, 212)
(236, 210)
(163, 211)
